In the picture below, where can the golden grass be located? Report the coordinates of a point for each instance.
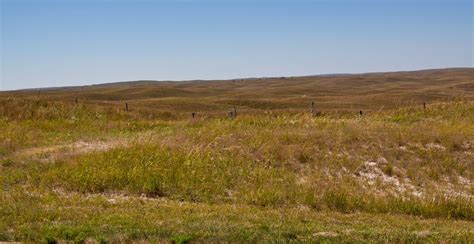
(275, 173)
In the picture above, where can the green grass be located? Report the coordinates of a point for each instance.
(50, 216)
(91, 171)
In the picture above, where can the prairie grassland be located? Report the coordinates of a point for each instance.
(78, 172)
(93, 172)
(172, 100)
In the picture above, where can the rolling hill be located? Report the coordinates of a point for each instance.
(89, 171)
(340, 92)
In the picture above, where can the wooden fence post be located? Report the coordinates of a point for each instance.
(313, 111)
(126, 107)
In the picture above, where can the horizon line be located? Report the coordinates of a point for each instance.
(227, 79)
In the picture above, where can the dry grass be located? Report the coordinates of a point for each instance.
(93, 171)
(208, 98)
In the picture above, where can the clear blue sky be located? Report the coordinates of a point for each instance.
(75, 42)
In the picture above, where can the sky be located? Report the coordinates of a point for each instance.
(49, 43)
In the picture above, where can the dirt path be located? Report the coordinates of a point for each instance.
(56, 152)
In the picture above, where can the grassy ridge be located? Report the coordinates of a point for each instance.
(332, 92)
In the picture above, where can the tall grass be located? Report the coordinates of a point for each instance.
(210, 177)
(268, 161)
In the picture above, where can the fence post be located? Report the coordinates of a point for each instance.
(126, 107)
(235, 112)
(424, 105)
(193, 114)
(360, 113)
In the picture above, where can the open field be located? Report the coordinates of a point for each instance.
(373, 91)
(90, 171)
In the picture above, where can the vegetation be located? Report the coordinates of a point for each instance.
(90, 171)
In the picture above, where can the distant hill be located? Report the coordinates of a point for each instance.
(336, 91)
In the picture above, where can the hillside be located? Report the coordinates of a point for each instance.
(92, 172)
(341, 92)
